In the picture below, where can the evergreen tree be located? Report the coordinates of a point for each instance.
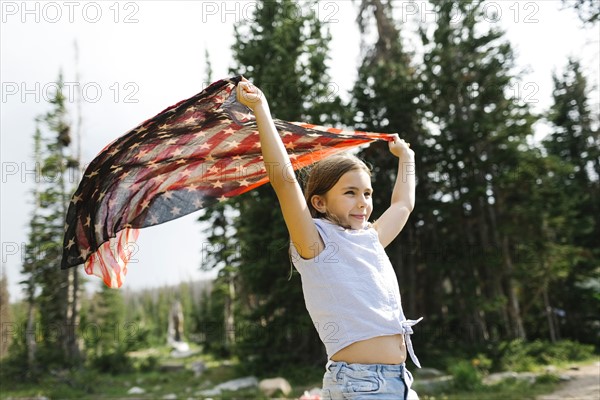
(540, 209)
(477, 132)
(147, 314)
(107, 313)
(220, 251)
(283, 51)
(31, 263)
(383, 100)
(48, 287)
(575, 138)
(574, 143)
(109, 337)
(490, 232)
(216, 321)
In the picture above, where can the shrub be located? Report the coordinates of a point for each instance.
(547, 378)
(148, 364)
(113, 363)
(519, 355)
(466, 375)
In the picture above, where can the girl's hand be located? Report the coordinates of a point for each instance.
(401, 148)
(249, 95)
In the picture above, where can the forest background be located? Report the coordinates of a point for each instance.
(502, 248)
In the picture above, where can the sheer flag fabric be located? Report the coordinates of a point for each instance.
(200, 151)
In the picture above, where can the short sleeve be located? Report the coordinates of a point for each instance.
(297, 259)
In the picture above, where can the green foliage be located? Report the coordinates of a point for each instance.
(504, 232)
(51, 293)
(106, 317)
(509, 389)
(480, 133)
(466, 376)
(146, 317)
(573, 225)
(383, 101)
(286, 57)
(274, 318)
(14, 367)
(283, 50)
(547, 379)
(114, 362)
(108, 336)
(210, 320)
(221, 252)
(149, 364)
(503, 242)
(146, 369)
(520, 355)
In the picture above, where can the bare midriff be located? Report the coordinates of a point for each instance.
(378, 350)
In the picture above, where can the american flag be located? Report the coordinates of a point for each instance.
(197, 152)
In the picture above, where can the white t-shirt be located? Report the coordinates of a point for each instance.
(351, 289)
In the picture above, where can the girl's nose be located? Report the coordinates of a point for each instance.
(362, 202)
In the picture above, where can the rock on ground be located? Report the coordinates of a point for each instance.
(136, 390)
(233, 385)
(270, 386)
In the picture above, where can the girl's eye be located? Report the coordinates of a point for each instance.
(368, 194)
(349, 192)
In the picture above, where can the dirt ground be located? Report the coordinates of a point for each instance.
(584, 384)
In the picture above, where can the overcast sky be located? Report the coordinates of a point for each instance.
(136, 58)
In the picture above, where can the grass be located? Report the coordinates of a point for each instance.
(154, 370)
(92, 385)
(509, 389)
(159, 375)
(85, 384)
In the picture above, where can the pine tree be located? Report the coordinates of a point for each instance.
(383, 100)
(477, 134)
(284, 52)
(221, 252)
(574, 143)
(575, 138)
(218, 252)
(47, 287)
(31, 263)
(494, 229)
(111, 337)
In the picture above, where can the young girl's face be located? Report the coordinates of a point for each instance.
(349, 200)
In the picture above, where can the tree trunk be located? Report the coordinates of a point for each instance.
(229, 317)
(549, 314)
(484, 275)
(30, 335)
(73, 343)
(496, 277)
(517, 328)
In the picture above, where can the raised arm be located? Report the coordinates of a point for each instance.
(389, 225)
(302, 229)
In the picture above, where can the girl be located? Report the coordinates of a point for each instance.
(350, 288)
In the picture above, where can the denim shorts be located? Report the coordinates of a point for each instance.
(367, 381)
